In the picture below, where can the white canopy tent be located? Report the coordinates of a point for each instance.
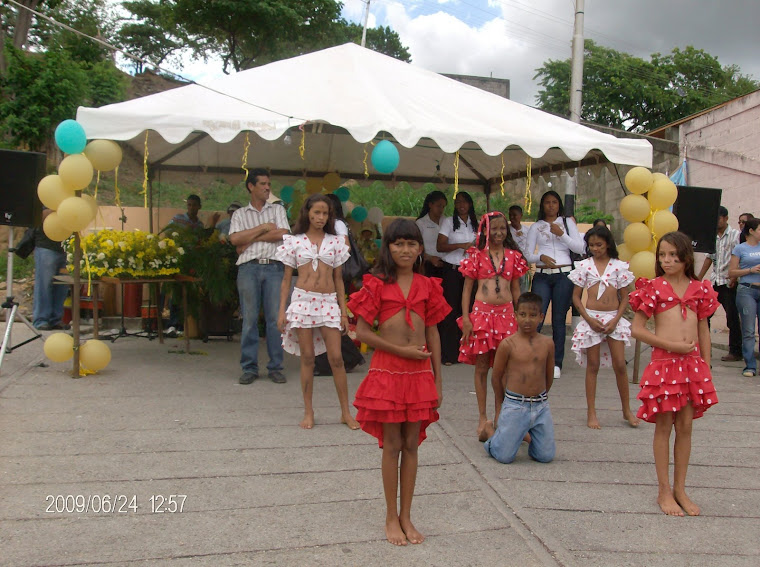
(339, 100)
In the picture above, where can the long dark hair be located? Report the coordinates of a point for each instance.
(473, 217)
(750, 223)
(430, 198)
(302, 224)
(560, 212)
(484, 231)
(684, 251)
(604, 233)
(399, 229)
(337, 206)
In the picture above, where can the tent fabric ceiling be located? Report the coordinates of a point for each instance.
(341, 96)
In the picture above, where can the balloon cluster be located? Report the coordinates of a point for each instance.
(73, 213)
(94, 355)
(649, 216)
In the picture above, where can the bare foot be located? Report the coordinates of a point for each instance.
(632, 420)
(411, 532)
(592, 420)
(685, 502)
(308, 421)
(668, 503)
(481, 425)
(526, 439)
(486, 432)
(393, 531)
(350, 421)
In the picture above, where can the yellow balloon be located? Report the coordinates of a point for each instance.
(642, 264)
(59, 347)
(75, 213)
(653, 247)
(92, 202)
(659, 176)
(54, 229)
(639, 180)
(637, 237)
(51, 191)
(94, 355)
(331, 181)
(624, 253)
(313, 185)
(76, 171)
(663, 222)
(104, 155)
(634, 208)
(663, 194)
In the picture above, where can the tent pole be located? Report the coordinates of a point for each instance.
(364, 28)
(150, 199)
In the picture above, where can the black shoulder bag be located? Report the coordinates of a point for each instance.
(26, 245)
(356, 265)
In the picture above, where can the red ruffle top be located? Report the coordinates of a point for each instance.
(477, 265)
(381, 300)
(657, 295)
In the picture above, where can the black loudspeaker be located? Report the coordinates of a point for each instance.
(697, 212)
(20, 172)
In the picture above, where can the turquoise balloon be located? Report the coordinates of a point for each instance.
(359, 214)
(385, 157)
(286, 194)
(70, 137)
(342, 193)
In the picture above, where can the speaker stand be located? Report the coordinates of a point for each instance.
(12, 308)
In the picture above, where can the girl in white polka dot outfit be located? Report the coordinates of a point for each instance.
(317, 314)
(676, 386)
(602, 335)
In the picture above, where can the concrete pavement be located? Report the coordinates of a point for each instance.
(260, 491)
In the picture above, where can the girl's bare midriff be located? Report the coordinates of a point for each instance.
(610, 300)
(486, 291)
(396, 330)
(320, 281)
(671, 325)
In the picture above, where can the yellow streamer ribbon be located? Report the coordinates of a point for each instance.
(246, 146)
(502, 174)
(117, 197)
(144, 192)
(302, 146)
(456, 174)
(87, 264)
(366, 168)
(97, 182)
(528, 196)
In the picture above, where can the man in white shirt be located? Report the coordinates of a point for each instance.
(256, 231)
(520, 236)
(725, 241)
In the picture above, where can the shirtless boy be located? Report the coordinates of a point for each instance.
(523, 373)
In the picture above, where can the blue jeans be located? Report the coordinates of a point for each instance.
(748, 304)
(558, 289)
(48, 298)
(515, 420)
(259, 283)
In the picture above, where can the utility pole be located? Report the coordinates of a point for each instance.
(364, 29)
(576, 96)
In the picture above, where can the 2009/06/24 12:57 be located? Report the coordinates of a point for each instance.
(113, 503)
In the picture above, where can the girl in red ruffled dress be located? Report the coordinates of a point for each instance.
(493, 268)
(402, 391)
(676, 386)
(316, 316)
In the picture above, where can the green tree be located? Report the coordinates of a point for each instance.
(627, 92)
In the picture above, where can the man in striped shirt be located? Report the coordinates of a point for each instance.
(725, 241)
(256, 230)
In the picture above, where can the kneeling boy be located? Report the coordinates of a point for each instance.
(523, 372)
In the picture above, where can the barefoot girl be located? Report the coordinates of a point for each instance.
(493, 268)
(399, 397)
(317, 312)
(600, 338)
(676, 386)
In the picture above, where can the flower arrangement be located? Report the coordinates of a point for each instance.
(125, 254)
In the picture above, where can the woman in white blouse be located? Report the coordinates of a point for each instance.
(429, 223)
(456, 235)
(555, 237)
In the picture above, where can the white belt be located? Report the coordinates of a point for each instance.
(562, 270)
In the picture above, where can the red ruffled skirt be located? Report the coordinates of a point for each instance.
(673, 380)
(396, 390)
(491, 324)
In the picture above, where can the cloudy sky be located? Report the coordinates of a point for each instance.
(509, 39)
